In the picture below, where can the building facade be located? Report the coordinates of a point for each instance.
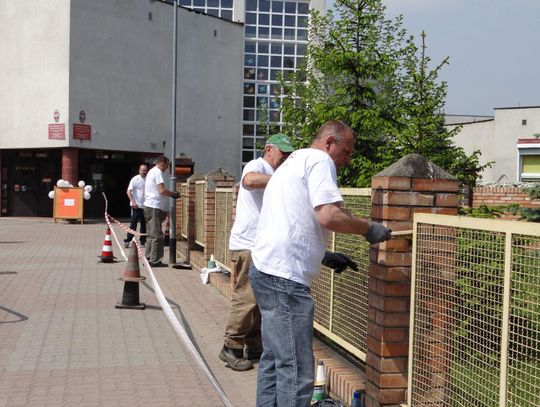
(275, 42)
(511, 139)
(86, 94)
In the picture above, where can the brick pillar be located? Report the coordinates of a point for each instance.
(218, 178)
(410, 185)
(70, 165)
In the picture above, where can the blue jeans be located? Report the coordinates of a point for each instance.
(285, 376)
(137, 215)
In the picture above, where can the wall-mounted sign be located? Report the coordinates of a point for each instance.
(82, 131)
(56, 116)
(82, 116)
(57, 131)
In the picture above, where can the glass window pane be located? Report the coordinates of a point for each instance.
(226, 3)
(302, 21)
(213, 12)
(212, 3)
(302, 35)
(301, 49)
(288, 62)
(277, 6)
(201, 9)
(249, 73)
(249, 60)
(199, 3)
(262, 89)
(264, 19)
(275, 62)
(250, 31)
(274, 103)
(276, 48)
(264, 5)
(289, 21)
(249, 46)
(274, 116)
(303, 8)
(249, 101)
(262, 115)
(248, 129)
(288, 49)
(249, 115)
(277, 33)
(274, 75)
(262, 60)
(262, 101)
(262, 74)
(277, 20)
(185, 3)
(226, 14)
(247, 156)
(289, 33)
(290, 7)
(299, 62)
(274, 89)
(248, 142)
(249, 88)
(263, 47)
(264, 32)
(251, 5)
(251, 18)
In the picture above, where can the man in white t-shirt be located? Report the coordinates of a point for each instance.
(243, 326)
(301, 205)
(155, 209)
(135, 193)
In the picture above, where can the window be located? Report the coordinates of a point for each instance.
(530, 167)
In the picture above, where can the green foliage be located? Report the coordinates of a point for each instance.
(363, 69)
(532, 214)
(489, 212)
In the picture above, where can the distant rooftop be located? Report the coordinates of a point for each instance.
(450, 119)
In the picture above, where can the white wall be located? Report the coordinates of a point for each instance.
(497, 140)
(34, 54)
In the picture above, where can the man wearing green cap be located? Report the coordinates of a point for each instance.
(242, 334)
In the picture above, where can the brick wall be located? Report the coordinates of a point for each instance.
(503, 195)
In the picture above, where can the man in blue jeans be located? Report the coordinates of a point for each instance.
(301, 205)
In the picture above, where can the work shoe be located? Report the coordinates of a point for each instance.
(126, 245)
(157, 264)
(235, 359)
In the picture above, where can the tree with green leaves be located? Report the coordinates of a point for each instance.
(363, 68)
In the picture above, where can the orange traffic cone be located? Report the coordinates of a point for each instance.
(106, 252)
(166, 230)
(131, 278)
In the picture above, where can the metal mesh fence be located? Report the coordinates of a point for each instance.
(476, 314)
(199, 212)
(223, 226)
(341, 299)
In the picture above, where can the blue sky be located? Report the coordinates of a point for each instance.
(493, 45)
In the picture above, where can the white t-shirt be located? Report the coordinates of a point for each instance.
(136, 186)
(152, 197)
(248, 207)
(290, 242)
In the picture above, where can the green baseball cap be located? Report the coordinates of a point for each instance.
(281, 141)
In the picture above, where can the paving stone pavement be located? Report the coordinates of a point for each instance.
(63, 343)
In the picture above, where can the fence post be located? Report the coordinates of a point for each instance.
(218, 178)
(410, 185)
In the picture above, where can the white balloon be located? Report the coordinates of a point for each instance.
(65, 184)
(51, 194)
(60, 183)
(88, 188)
(86, 195)
(81, 184)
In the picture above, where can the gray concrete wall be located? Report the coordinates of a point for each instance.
(34, 53)
(121, 73)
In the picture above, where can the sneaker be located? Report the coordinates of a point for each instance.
(158, 264)
(126, 245)
(235, 359)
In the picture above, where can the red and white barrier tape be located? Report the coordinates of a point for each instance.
(173, 320)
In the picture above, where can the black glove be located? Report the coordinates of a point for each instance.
(378, 233)
(338, 262)
(175, 195)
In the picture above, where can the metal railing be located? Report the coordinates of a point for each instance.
(199, 212)
(224, 221)
(341, 300)
(475, 313)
